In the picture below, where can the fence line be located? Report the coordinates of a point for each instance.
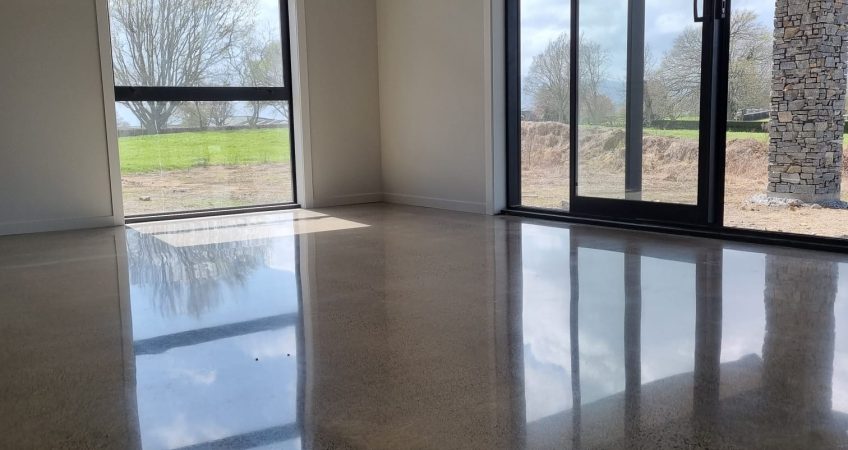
(129, 132)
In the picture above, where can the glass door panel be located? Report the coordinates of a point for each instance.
(639, 98)
(602, 98)
(545, 66)
(644, 106)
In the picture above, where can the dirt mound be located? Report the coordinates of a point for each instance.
(545, 145)
(747, 158)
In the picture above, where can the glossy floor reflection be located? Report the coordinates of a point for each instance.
(396, 327)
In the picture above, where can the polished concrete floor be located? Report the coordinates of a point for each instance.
(393, 327)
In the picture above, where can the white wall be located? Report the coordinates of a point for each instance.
(396, 99)
(436, 102)
(54, 166)
(340, 95)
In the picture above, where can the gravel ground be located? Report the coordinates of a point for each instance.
(207, 187)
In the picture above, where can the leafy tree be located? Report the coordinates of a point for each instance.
(174, 43)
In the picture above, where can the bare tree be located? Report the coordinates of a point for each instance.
(748, 77)
(750, 63)
(205, 114)
(659, 102)
(174, 43)
(260, 63)
(549, 80)
(679, 76)
(593, 71)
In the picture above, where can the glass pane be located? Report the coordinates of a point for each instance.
(785, 122)
(545, 66)
(191, 43)
(657, 159)
(202, 155)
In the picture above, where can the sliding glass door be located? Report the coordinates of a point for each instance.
(624, 99)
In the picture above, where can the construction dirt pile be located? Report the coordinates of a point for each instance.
(670, 170)
(545, 145)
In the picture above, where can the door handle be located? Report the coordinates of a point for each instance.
(695, 8)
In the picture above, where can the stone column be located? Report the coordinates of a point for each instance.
(808, 98)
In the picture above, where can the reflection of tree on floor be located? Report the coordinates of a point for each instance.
(189, 279)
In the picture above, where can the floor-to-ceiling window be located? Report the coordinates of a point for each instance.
(730, 117)
(203, 107)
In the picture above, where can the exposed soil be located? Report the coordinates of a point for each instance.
(207, 187)
(669, 175)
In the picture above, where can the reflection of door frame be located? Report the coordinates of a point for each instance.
(707, 257)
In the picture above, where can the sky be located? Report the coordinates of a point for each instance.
(605, 21)
(268, 12)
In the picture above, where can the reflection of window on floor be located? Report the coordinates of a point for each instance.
(215, 321)
(204, 104)
(611, 332)
(785, 130)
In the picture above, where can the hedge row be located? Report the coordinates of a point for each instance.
(741, 126)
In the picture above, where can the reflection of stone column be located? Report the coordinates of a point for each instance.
(808, 99)
(798, 351)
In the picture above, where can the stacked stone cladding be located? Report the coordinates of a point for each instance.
(808, 99)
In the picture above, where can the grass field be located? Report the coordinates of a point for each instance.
(140, 154)
(693, 134)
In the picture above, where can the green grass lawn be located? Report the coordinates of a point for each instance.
(693, 134)
(205, 148)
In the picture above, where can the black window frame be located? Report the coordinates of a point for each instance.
(623, 214)
(226, 94)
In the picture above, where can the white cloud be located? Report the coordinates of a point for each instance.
(204, 377)
(671, 23)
